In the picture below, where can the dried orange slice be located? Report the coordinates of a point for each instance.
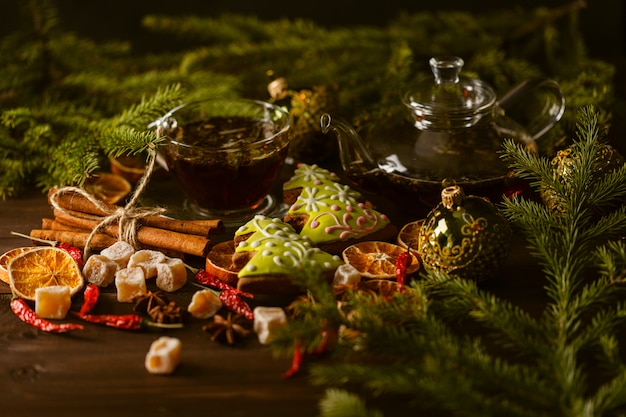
(409, 234)
(107, 187)
(377, 259)
(7, 257)
(219, 262)
(129, 167)
(43, 267)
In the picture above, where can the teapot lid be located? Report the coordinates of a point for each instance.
(452, 101)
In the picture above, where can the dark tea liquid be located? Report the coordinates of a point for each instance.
(219, 166)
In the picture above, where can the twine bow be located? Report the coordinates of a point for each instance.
(127, 217)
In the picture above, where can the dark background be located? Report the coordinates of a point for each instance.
(602, 21)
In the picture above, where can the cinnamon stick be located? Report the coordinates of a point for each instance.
(76, 202)
(78, 239)
(192, 227)
(148, 236)
(51, 224)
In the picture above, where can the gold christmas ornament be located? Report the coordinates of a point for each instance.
(563, 164)
(465, 236)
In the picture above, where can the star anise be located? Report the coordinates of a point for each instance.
(229, 329)
(146, 302)
(170, 313)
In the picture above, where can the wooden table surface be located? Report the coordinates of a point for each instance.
(100, 370)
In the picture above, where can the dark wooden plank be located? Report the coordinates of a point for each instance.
(100, 371)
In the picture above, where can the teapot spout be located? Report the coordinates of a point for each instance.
(352, 151)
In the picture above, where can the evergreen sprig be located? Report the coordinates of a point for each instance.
(81, 86)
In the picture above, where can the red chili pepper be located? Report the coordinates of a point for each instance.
(327, 338)
(27, 315)
(231, 299)
(205, 278)
(125, 321)
(90, 298)
(403, 261)
(75, 252)
(296, 360)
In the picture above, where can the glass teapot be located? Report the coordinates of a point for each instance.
(454, 131)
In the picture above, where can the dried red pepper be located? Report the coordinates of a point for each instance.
(231, 299)
(403, 261)
(27, 315)
(90, 298)
(125, 321)
(296, 360)
(328, 336)
(74, 252)
(118, 321)
(205, 278)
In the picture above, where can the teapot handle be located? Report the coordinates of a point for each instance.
(551, 109)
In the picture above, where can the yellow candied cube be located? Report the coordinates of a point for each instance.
(204, 304)
(53, 302)
(130, 283)
(267, 320)
(119, 252)
(346, 274)
(100, 270)
(164, 355)
(171, 274)
(147, 260)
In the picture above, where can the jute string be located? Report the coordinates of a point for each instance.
(127, 217)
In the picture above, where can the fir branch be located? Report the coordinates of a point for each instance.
(610, 398)
(124, 140)
(363, 65)
(510, 326)
(608, 190)
(610, 226)
(605, 322)
(525, 163)
(444, 371)
(139, 116)
(611, 260)
(230, 28)
(338, 403)
(608, 357)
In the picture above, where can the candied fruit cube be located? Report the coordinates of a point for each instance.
(171, 274)
(119, 252)
(53, 302)
(266, 321)
(147, 260)
(130, 283)
(100, 270)
(204, 304)
(164, 355)
(346, 274)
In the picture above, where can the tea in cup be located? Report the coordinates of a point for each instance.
(226, 154)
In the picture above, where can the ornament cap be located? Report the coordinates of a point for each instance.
(278, 88)
(452, 196)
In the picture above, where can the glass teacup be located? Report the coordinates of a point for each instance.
(226, 155)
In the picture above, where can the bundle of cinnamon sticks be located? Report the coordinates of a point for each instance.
(78, 217)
